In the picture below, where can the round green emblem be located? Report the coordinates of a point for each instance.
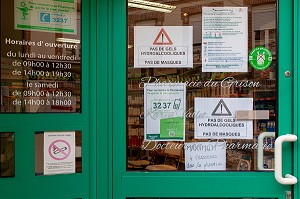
(260, 58)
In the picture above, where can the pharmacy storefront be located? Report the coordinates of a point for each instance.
(188, 99)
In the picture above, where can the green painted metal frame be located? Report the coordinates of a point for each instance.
(102, 27)
(196, 184)
(103, 124)
(80, 185)
(296, 98)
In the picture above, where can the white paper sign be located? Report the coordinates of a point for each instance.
(59, 16)
(164, 111)
(59, 152)
(163, 46)
(215, 118)
(205, 156)
(224, 39)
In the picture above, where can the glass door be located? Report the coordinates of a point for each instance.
(45, 117)
(204, 101)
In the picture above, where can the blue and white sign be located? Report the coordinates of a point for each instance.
(224, 39)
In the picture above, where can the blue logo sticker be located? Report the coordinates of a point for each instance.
(45, 17)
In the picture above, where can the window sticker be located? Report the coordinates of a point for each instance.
(59, 153)
(260, 58)
(224, 39)
(216, 118)
(164, 114)
(59, 16)
(163, 47)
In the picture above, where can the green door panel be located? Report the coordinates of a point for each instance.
(26, 184)
(197, 184)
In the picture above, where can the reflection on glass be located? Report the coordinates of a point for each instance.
(58, 152)
(40, 56)
(7, 159)
(252, 90)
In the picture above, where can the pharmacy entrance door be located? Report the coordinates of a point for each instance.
(208, 110)
(47, 131)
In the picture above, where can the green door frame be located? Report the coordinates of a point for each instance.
(296, 97)
(198, 184)
(102, 58)
(103, 123)
(80, 185)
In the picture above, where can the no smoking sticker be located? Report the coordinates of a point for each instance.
(59, 152)
(59, 149)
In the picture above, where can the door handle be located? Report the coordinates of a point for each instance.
(260, 150)
(288, 179)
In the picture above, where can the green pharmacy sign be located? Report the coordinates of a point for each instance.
(260, 58)
(57, 16)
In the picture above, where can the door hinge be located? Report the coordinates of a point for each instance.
(288, 195)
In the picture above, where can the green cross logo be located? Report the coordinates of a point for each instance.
(24, 9)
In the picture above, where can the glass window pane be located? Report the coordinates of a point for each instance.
(40, 56)
(58, 152)
(7, 159)
(206, 111)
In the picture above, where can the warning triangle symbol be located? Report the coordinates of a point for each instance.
(221, 109)
(162, 38)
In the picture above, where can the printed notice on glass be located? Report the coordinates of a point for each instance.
(215, 118)
(163, 47)
(224, 39)
(201, 156)
(164, 111)
(59, 16)
(42, 66)
(59, 153)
